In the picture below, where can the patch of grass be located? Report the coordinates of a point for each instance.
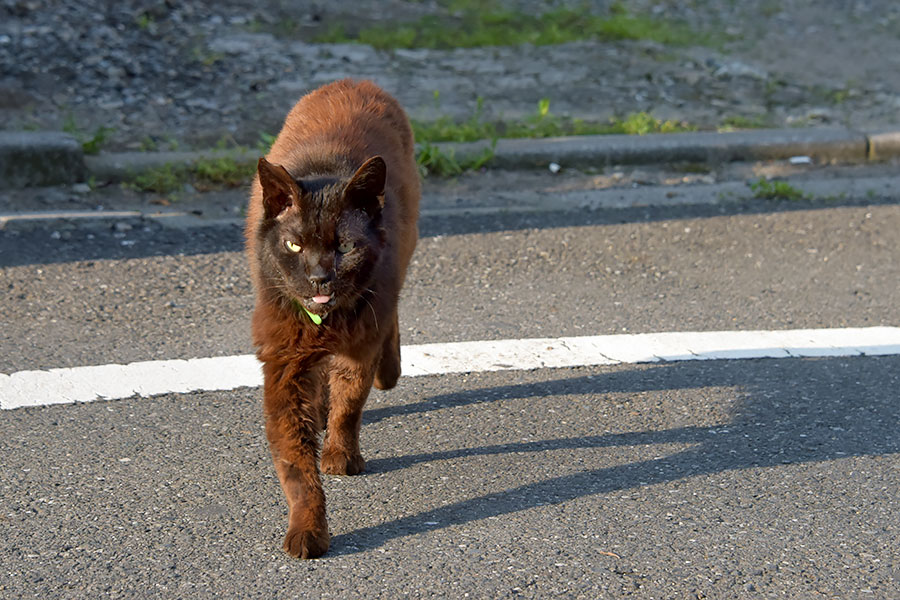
(432, 160)
(474, 24)
(221, 172)
(204, 175)
(643, 123)
(152, 143)
(765, 189)
(541, 124)
(446, 129)
(740, 122)
(165, 180)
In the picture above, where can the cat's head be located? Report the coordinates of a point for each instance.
(320, 237)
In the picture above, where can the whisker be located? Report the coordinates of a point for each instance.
(374, 316)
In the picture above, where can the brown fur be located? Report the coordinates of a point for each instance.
(320, 375)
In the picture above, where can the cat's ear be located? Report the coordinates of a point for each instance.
(279, 190)
(366, 188)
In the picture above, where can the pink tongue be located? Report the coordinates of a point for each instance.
(321, 299)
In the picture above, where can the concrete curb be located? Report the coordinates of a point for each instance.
(124, 165)
(39, 158)
(694, 147)
(884, 144)
(46, 158)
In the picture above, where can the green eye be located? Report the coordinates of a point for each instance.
(345, 247)
(295, 248)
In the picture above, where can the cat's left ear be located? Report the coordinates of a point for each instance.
(279, 190)
(366, 188)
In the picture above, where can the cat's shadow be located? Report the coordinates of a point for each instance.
(790, 411)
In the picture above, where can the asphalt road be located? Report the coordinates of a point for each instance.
(759, 478)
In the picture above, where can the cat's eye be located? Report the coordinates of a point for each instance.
(345, 247)
(295, 248)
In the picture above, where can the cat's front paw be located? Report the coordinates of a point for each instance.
(341, 463)
(306, 543)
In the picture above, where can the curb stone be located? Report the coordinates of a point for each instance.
(39, 158)
(695, 147)
(884, 144)
(124, 165)
(29, 159)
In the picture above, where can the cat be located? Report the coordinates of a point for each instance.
(331, 227)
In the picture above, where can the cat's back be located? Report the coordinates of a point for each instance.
(355, 119)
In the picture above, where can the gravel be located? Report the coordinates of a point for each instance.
(160, 75)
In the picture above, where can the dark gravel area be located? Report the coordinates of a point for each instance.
(165, 74)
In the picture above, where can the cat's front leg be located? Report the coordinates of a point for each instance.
(292, 406)
(349, 382)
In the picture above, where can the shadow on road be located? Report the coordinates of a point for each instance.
(53, 242)
(794, 411)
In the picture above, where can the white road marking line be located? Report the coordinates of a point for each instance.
(110, 382)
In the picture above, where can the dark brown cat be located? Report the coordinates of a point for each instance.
(330, 231)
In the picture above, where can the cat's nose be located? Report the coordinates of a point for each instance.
(319, 276)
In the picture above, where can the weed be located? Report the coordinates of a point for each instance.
(775, 190)
(204, 174)
(432, 160)
(220, 172)
(165, 180)
(90, 143)
(148, 144)
(643, 123)
(144, 21)
(741, 122)
(265, 142)
(446, 129)
(93, 144)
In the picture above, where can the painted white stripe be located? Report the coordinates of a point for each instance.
(85, 384)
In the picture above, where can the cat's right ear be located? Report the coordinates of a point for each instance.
(279, 190)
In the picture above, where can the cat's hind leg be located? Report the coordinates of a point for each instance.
(388, 371)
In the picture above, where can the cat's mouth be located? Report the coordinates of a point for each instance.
(320, 303)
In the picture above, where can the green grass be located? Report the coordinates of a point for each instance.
(541, 124)
(444, 163)
(164, 180)
(221, 172)
(765, 189)
(740, 122)
(204, 175)
(473, 24)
